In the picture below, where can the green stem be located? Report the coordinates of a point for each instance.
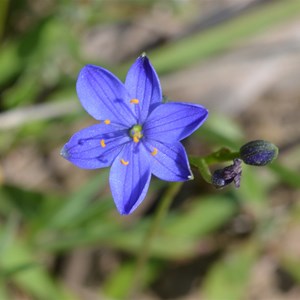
(221, 155)
(202, 163)
(202, 166)
(146, 244)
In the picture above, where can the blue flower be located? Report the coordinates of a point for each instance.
(137, 134)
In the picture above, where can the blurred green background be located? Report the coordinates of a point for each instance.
(60, 235)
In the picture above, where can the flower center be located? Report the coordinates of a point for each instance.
(136, 133)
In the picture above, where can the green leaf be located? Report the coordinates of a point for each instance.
(228, 278)
(10, 62)
(162, 246)
(291, 265)
(118, 283)
(222, 131)
(23, 92)
(27, 202)
(3, 290)
(75, 205)
(20, 264)
(202, 167)
(286, 175)
(253, 190)
(202, 216)
(8, 233)
(205, 44)
(3, 16)
(181, 231)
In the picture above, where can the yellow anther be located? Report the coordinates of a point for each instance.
(134, 101)
(124, 162)
(154, 152)
(102, 143)
(107, 121)
(136, 139)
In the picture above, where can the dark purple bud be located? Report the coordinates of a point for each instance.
(258, 153)
(218, 179)
(232, 173)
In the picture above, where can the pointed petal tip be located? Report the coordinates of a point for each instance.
(64, 152)
(129, 183)
(191, 177)
(174, 121)
(203, 110)
(143, 84)
(126, 208)
(143, 58)
(206, 111)
(103, 95)
(125, 211)
(129, 208)
(85, 69)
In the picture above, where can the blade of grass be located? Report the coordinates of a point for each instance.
(200, 46)
(205, 44)
(3, 14)
(288, 176)
(75, 204)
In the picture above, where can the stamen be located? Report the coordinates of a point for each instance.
(154, 152)
(136, 139)
(102, 143)
(134, 101)
(124, 162)
(107, 121)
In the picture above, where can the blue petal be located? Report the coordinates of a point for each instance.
(143, 84)
(174, 121)
(95, 146)
(129, 183)
(168, 161)
(104, 96)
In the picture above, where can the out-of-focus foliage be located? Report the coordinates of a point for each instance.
(44, 222)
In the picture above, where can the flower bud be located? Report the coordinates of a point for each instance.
(218, 180)
(258, 153)
(232, 173)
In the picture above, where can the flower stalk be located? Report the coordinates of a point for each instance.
(203, 163)
(219, 179)
(145, 250)
(255, 153)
